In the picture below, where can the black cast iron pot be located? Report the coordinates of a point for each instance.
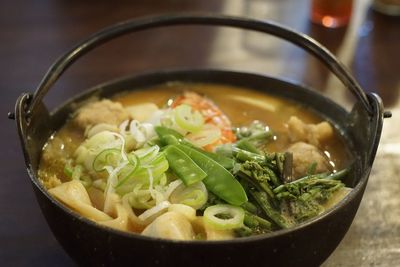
(305, 245)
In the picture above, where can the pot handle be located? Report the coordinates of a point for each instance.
(299, 39)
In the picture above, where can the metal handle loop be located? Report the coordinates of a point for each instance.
(299, 39)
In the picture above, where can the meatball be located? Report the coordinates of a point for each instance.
(311, 133)
(304, 155)
(104, 111)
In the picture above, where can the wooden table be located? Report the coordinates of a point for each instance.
(35, 33)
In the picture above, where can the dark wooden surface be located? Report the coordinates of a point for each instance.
(34, 33)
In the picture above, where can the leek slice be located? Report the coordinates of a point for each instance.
(188, 119)
(224, 217)
(195, 195)
(208, 135)
(107, 157)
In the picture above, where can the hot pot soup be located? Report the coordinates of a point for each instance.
(196, 162)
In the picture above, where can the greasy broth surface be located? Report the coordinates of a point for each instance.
(241, 105)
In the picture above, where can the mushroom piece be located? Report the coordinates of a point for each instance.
(170, 225)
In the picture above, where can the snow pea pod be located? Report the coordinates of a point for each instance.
(162, 131)
(226, 162)
(218, 180)
(183, 166)
(171, 137)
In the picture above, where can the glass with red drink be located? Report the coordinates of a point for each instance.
(331, 13)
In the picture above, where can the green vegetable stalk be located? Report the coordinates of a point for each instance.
(270, 211)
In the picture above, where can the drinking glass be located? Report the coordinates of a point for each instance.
(331, 13)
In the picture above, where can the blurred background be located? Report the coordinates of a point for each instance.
(35, 33)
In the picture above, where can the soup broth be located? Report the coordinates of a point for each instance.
(243, 106)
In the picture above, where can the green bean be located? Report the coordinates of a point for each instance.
(219, 181)
(183, 166)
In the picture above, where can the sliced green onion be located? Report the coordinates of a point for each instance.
(156, 210)
(209, 135)
(128, 186)
(86, 181)
(125, 174)
(68, 169)
(140, 197)
(107, 157)
(171, 187)
(188, 119)
(196, 198)
(147, 155)
(158, 166)
(224, 217)
(77, 172)
(133, 160)
(195, 195)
